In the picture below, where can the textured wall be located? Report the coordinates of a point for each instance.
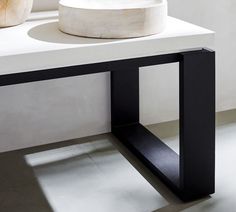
(219, 16)
(40, 5)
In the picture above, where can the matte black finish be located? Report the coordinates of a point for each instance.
(125, 96)
(161, 159)
(197, 123)
(190, 175)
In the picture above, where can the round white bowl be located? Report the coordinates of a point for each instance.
(112, 18)
(14, 12)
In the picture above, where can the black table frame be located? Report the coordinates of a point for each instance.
(191, 174)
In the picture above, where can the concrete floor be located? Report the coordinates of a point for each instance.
(90, 174)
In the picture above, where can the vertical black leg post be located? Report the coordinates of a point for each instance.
(124, 96)
(197, 124)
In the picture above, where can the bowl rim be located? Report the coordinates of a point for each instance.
(63, 3)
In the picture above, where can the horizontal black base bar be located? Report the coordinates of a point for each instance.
(160, 159)
(163, 161)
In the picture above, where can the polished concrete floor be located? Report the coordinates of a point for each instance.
(91, 175)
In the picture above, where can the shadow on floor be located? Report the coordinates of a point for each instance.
(19, 188)
(21, 192)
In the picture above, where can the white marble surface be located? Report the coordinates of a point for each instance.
(40, 38)
(112, 19)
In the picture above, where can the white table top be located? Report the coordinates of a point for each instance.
(38, 44)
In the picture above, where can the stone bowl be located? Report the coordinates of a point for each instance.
(112, 18)
(14, 12)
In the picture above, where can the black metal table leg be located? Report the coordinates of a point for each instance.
(125, 96)
(197, 123)
(190, 175)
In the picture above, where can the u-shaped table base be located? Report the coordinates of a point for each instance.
(191, 174)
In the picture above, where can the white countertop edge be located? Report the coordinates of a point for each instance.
(79, 55)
